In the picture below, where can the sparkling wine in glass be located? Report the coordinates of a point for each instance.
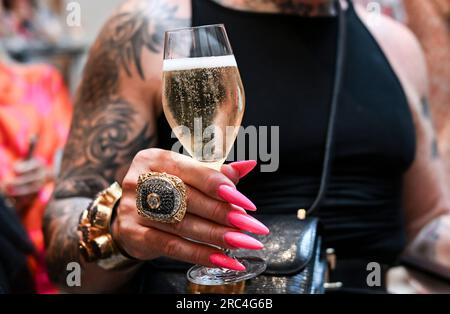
(204, 102)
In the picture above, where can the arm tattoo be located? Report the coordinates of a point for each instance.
(124, 38)
(434, 149)
(98, 146)
(429, 239)
(426, 113)
(61, 237)
(426, 108)
(133, 32)
(430, 247)
(103, 137)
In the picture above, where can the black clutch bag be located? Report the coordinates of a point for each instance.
(296, 261)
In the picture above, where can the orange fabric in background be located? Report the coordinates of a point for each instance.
(33, 101)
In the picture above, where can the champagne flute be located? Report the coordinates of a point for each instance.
(204, 102)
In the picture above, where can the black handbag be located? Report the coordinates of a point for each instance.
(295, 263)
(295, 257)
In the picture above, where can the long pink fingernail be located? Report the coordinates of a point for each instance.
(240, 240)
(235, 197)
(246, 222)
(244, 167)
(221, 260)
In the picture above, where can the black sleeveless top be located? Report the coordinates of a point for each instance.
(287, 65)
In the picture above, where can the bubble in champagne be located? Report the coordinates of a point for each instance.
(201, 98)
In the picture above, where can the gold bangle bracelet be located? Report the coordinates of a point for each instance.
(96, 243)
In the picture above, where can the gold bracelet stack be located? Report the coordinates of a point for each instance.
(96, 243)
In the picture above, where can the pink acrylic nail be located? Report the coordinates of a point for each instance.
(244, 167)
(235, 197)
(240, 240)
(246, 222)
(221, 260)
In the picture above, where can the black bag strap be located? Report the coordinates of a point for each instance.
(338, 74)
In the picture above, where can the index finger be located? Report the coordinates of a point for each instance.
(209, 181)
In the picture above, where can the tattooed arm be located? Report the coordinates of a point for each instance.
(115, 110)
(426, 195)
(426, 199)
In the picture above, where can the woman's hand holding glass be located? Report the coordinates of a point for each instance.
(214, 219)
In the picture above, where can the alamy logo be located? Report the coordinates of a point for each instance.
(374, 10)
(73, 278)
(374, 277)
(213, 143)
(73, 18)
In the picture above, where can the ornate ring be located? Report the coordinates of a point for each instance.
(161, 197)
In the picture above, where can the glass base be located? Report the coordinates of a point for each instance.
(207, 276)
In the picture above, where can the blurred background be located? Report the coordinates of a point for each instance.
(35, 31)
(43, 47)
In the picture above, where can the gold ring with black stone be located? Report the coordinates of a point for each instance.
(161, 197)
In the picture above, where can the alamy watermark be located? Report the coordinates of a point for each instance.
(73, 18)
(73, 278)
(373, 278)
(231, 143)
(374, 10)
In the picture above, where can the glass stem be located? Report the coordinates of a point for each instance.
(228, 253)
